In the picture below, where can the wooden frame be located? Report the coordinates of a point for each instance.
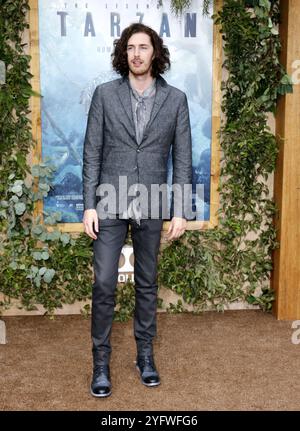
(216, 121)
(285, 278)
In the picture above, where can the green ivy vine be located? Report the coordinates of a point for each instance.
(215, 267)
(179, 6)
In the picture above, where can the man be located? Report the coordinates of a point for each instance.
(133, 122)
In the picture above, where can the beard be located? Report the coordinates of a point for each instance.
(138, 71)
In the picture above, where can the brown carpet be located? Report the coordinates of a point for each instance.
(236, 360)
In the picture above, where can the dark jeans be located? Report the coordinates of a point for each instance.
(107, 249)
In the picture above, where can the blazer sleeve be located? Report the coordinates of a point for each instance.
(182, 163)
(92, 150)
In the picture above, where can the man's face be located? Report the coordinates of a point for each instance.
(140, 54)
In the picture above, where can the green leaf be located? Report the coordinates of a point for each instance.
(286, 80)
(20, 207)
(45, 255)
(57, 215)
(37, 255)
(38, 229)
(265, 3)
(48, 276)
(37, 281)
(13, 265)
(54, 235)
(49, 220)
(65, 238)
(17, 189)
(34, 269)
(275, 31)
(42, 270)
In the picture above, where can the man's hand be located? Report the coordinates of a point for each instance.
(176, 228)
(90, 219)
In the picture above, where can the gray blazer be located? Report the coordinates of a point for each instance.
(111, 150)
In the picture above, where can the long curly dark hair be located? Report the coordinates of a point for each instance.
(160, 63)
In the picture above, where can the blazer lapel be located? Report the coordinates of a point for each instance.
(160, 96)
(124, 96)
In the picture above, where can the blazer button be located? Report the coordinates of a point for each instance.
(138, 150)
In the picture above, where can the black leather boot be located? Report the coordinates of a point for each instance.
(147, 370)
(101, 384)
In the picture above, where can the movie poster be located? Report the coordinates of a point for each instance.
(76, 42)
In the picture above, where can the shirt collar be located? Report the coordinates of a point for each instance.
(146, 93)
